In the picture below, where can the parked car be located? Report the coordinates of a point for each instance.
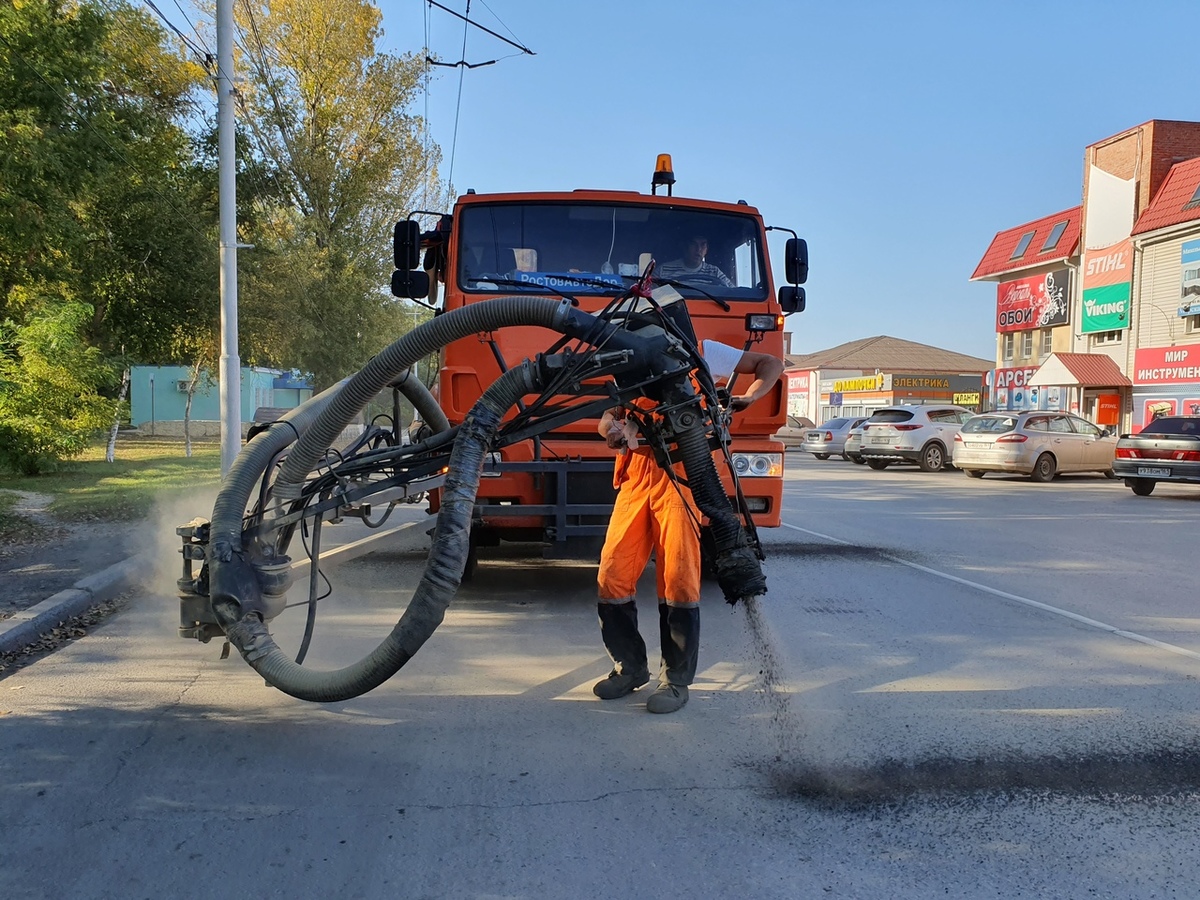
(830, 439)
(853, 446)
(912, 434)
(793, 433)
(1168, 449)
(1036, 443)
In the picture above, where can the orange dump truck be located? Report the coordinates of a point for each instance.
(591, 246)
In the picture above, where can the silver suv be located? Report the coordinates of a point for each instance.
(913, 434)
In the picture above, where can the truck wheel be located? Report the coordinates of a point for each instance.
(878, 464)
(933, 457)
(1143, 487)
(1044, 469)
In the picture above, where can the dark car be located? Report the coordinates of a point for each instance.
(1168, 449)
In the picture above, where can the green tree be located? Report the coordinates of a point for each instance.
(99, 192)
(331, 116)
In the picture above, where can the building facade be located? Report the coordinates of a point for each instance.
(1089, 304)
(859, 377)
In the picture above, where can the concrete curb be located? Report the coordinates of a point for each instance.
(26, 626)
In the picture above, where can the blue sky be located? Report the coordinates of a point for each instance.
(898, 138)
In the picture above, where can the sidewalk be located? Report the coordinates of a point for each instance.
(134, 571)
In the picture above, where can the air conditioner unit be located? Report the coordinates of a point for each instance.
(182, 385)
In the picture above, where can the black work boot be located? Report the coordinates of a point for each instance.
(679, 628)
(623, 641)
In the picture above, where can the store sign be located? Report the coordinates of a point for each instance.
(798, 382)
(1108, 409)
(865, 383)
(1038, 301)
(1006, 378)
(1167, 365)
(1107, 281)
(1189, 278)
(966, 399)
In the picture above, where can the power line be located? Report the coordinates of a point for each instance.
(195, 30)
(205, 57)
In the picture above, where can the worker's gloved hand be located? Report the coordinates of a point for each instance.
(622, 434)
(740, 402)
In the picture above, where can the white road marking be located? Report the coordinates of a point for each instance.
(1044, 607)
(334, 553)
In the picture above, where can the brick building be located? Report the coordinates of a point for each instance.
(1070, 286)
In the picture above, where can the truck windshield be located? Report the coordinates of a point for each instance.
(597, 248)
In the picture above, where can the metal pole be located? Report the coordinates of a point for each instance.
(151, 404)
(230, 371)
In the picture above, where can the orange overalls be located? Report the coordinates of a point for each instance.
(652, 514)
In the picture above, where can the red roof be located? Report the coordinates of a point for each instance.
(1093, 369)
(1169, 205)
(998, 258)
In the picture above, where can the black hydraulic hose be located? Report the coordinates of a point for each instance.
(422, 400)
(443, 572)
(738, 570)
(397, 357)
(316, 423)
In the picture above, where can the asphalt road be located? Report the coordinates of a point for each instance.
(954, 687)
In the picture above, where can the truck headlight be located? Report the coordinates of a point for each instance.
(758, 465)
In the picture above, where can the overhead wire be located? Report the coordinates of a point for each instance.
(458, 103)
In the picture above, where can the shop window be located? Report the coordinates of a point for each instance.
(1008, 346)
(1047, 342)
(1107, 337)
(1191, 324)
(1026, 344)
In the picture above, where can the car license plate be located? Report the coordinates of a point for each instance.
(880, 440)
(1153, 472)
(978, 445)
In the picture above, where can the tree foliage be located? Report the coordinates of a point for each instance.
(330, 114)
(99, 191)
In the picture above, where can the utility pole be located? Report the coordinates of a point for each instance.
(230, 371)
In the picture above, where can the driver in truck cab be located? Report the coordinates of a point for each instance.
(655, 513)
(692, 266)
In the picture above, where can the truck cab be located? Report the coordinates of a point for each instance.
(591, 246)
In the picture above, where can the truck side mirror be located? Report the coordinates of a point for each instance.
(791, 299)
(795, 262)
(406, 244)
(410, 283)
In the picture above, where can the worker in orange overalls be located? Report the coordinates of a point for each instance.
(655, 514)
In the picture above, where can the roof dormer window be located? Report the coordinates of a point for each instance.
(1022, 245)
(1054, 237)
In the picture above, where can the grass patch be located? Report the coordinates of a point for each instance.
(89, 489)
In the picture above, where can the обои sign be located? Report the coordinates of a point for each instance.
(1038, 301)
